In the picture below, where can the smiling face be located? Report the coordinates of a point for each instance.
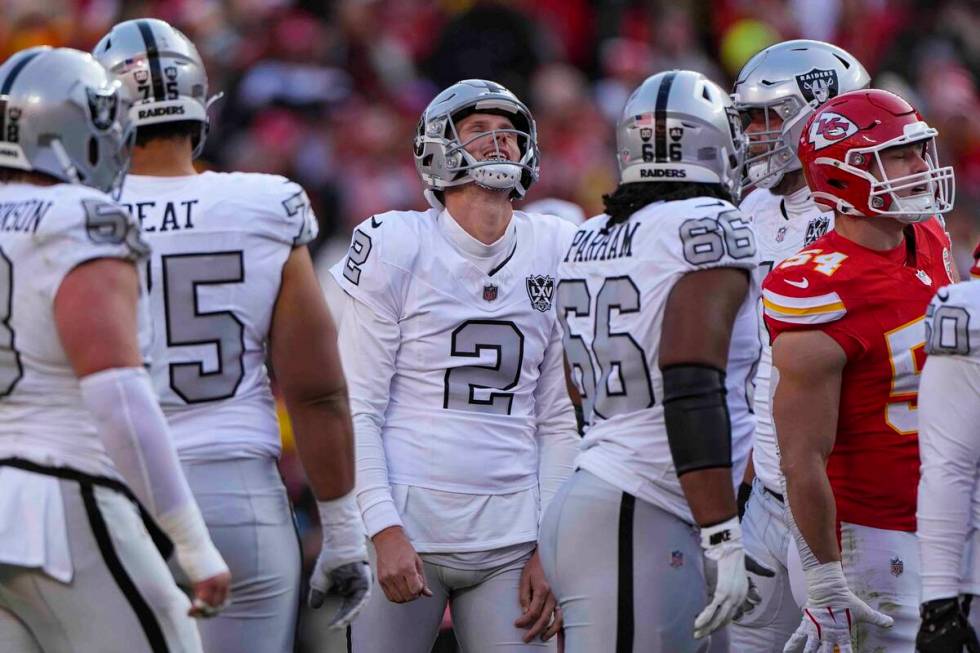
(500, 145)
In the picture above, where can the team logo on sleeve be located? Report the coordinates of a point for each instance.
(819, 85)
(829, 128)
(540, 289)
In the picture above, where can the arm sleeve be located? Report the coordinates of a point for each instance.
(557, 431)
(369, 345)
(948, 416)
(134, 433)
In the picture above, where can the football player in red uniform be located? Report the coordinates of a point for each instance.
(846, 319)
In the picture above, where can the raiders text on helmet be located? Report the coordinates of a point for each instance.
(162, 70)
(441, 158)
(789, 79)
(840, 149)
(680, 126)
(63, 115)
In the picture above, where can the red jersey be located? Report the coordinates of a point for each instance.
(873, 305)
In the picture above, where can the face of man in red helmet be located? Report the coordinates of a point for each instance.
(869, 153)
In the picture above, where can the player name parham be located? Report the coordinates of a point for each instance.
(602, 245)
(23, 216)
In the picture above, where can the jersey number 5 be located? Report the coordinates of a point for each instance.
(906, 355)
(187, 325)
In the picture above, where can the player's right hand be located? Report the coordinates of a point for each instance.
(399, 568)
(945, 628)
(826, 626)
(725, 573)
(210, 595)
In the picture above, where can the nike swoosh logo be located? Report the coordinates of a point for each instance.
(375, 223)
(799, 284)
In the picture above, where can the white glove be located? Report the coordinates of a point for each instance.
(342, 573)
(724, 571)
(830, 610)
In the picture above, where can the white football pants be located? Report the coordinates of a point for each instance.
(628, 575)
(484, 605)
(767, 538)
(246, 509)
(121, 598)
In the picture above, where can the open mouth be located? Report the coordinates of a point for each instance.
(495, 156)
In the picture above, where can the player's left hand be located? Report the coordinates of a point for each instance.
(831, 610)
(540, 613)
(945, 628)
(349, 584)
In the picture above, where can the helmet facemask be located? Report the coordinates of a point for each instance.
(460, 166)
(886, 195)
(769, 153)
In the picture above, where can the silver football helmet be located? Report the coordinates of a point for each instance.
(441, 158)
(680, 126)
(163, 72)
(789, 79)
(63, 115)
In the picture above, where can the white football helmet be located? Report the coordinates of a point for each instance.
(790, 79)
(441, 158)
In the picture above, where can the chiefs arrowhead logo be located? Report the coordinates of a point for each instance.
(829, 128)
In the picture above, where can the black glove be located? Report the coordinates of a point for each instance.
(744, 492)
(945, 628)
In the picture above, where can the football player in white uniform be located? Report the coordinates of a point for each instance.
(453, 354)
(230, 284)
(81, 433)
(648, 294)
(948, 514)
(775, 92)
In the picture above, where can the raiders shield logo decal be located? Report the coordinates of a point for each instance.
(540, 289)
(819, 85)
(102, 108)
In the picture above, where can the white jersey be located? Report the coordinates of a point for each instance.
(612, 293)
(783, 226)
(949, 443)
(45, 232)
(456, 367)
(219, 244)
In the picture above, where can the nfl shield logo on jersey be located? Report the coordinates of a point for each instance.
(540, 289)
(489, 292)
(676, 559)
(897, 566)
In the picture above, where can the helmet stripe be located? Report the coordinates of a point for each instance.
(5, 90)
(15, 71)
(152, 58)
(660, 118)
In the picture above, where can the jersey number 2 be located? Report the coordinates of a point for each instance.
(470, 340)
(188, 325)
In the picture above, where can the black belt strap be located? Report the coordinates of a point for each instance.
(778, 496)
(160, 539)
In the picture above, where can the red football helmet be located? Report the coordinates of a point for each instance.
(843, 140)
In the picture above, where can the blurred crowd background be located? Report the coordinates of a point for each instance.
(328, 93)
